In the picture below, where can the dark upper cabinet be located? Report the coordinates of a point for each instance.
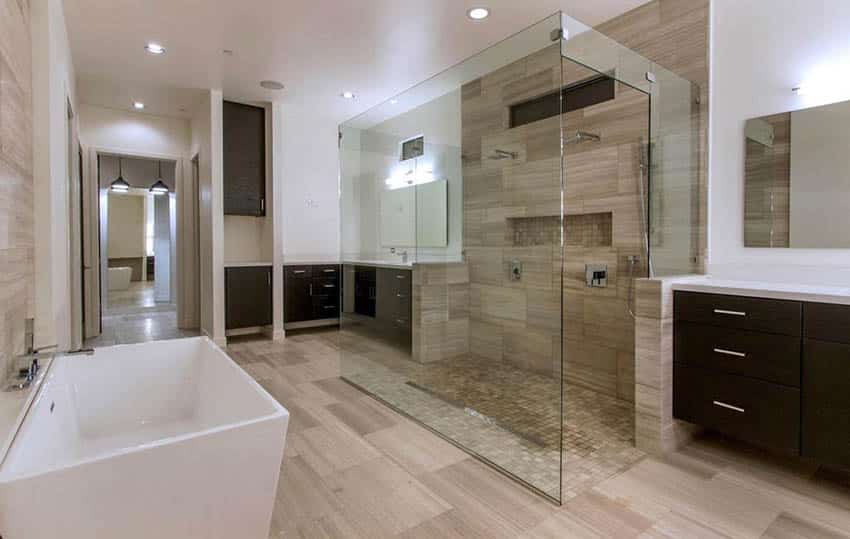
(244, 132)
(248, 297)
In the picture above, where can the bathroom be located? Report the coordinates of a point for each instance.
(570, 270)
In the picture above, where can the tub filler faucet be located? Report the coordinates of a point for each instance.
(27, 374)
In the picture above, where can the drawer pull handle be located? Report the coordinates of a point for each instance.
(329, 271)
(732, 313)
(400, 296)
(729, 407)
(730, 352)
(299, 272)
(329, 286)
(330, 306)
(401, 321)
(399, 276)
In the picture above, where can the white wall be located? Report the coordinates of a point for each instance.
(53, 86)
(310, 176)
(820, 177)
(133, 133)
(761, 49)
(126, 226)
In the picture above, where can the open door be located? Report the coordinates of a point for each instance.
(91, 244)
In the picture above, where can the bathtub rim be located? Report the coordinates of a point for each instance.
(35, 400)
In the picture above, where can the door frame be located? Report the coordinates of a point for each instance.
(97, 214)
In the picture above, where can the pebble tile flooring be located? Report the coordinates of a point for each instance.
(504, 414)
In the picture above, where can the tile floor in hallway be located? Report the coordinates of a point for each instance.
(354, 468)
(132, 316)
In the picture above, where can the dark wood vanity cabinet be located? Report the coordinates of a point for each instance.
(244, 159)
(394, 303)
(379, 302)
(311, 295)
(775, 373)
(826, 383)
(248, 297)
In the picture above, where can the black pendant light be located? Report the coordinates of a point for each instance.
(159, 188)
(120, 185)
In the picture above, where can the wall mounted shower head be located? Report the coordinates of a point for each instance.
(503, 154)
(582, 136)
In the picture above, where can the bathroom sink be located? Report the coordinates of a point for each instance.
(163, 439)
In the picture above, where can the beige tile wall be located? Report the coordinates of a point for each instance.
(440, 311)
(674, 34)
(510, 205)
(656, 431)
(16, 180)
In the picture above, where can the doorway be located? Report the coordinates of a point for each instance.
(138, 259)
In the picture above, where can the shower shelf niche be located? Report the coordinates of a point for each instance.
(583, 229)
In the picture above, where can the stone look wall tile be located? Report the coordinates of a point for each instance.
(16, 181)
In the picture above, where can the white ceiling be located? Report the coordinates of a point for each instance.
(317, 48)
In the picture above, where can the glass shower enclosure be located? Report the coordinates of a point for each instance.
(493, 221)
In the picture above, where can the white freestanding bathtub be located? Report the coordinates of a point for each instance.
(118, 278)
(168, 439)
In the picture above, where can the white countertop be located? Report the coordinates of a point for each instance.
(246, 264)
(393, 264)
(789, 291)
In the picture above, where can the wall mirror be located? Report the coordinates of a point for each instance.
(797, 179)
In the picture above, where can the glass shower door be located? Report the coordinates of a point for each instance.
(482, 365)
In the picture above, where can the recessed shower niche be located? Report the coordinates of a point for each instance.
(586, 230)
(556, 154)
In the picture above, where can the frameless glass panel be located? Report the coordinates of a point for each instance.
(452, 257)
(605, 198)
(676, 228)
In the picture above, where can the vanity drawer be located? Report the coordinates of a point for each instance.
(328, 270)
(297, 272)
(767, 356)
(759, 412)
(827, 322)
(738, 312)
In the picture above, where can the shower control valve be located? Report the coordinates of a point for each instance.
(596, 275)
(516, 270)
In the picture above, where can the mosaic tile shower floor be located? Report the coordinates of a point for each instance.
(505, 414)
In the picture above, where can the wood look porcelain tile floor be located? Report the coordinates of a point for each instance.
(354, 468)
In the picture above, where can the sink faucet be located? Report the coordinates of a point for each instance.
(403, 254)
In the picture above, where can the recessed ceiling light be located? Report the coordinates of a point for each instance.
(348, 95)
(138, 105)
(271, 85)
(155, 48)
(478, 13)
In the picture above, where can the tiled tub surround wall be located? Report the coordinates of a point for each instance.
(16, 180)
(511, 212)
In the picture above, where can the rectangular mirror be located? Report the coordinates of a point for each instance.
(797, 179)
(399, 227)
